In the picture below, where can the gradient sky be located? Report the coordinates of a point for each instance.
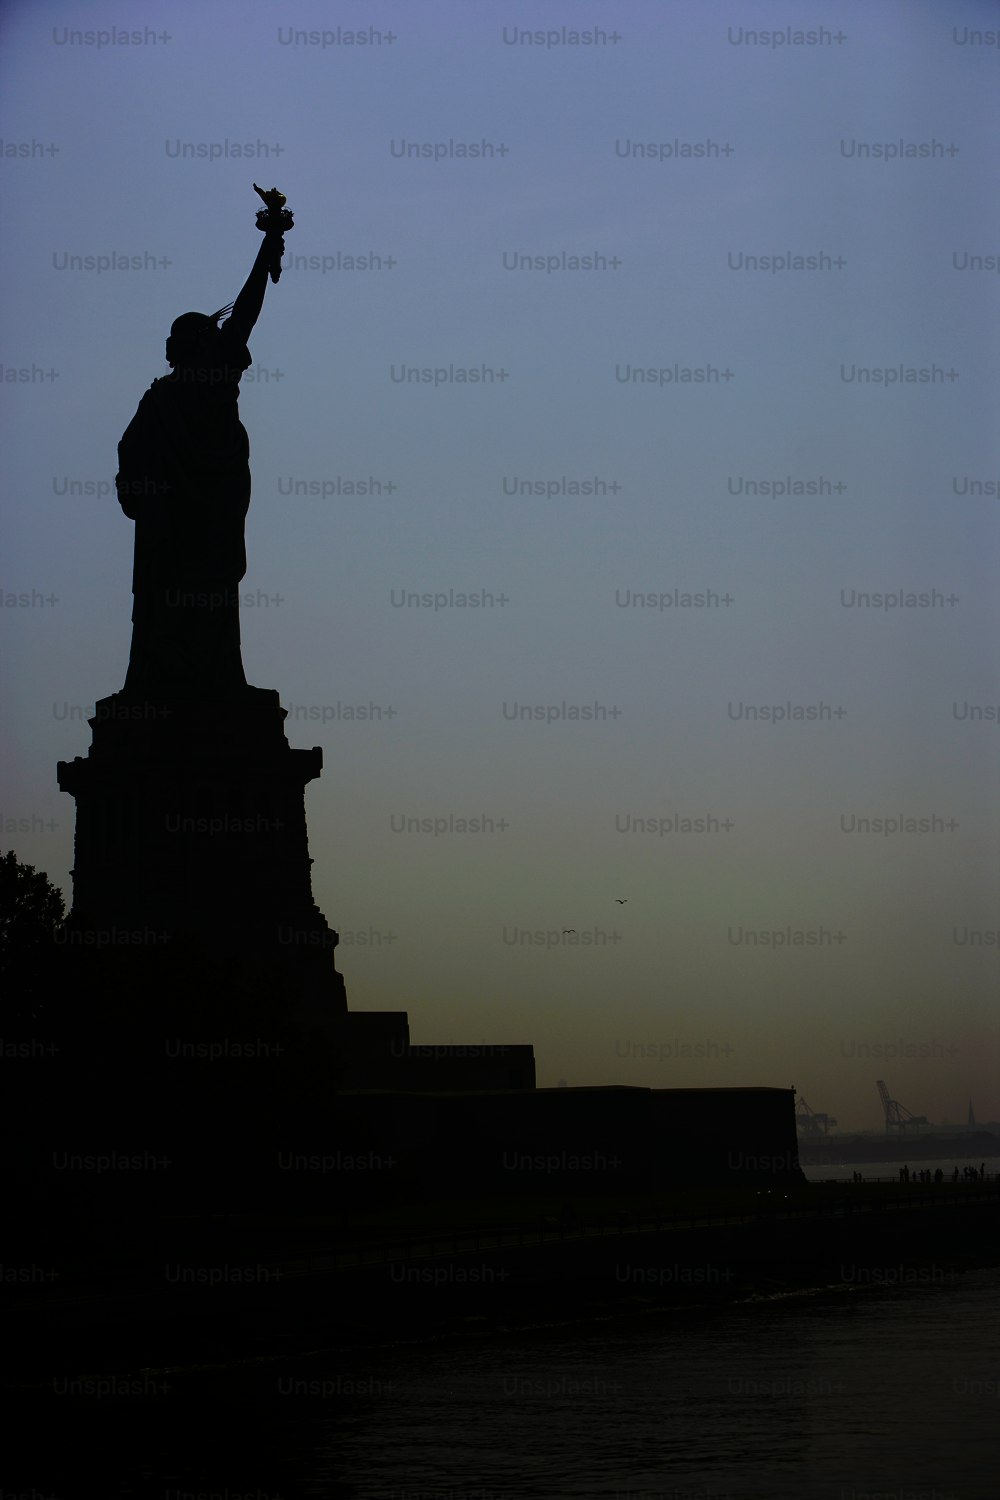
(667, 994)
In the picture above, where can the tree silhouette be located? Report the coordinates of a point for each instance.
(31, 909)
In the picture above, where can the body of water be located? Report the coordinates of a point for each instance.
(886, 1391)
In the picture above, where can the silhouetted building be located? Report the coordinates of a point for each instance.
(590, 1142)
(383, 1057)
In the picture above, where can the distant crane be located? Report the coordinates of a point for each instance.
(809, 1121)
(898, 1118)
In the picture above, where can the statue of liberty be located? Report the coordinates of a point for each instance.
(184, 479)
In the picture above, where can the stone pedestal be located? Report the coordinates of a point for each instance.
(191, 850)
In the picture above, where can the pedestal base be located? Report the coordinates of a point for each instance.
(191, 841)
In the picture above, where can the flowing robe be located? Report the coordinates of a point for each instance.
(184, 479)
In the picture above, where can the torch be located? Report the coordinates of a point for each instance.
(274, 218)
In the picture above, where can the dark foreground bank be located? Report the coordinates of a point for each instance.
(200, 1292)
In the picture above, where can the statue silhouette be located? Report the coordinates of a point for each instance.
(184, 479)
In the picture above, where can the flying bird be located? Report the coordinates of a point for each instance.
(569, 929)
(622, 900)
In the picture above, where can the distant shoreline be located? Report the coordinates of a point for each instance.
(837, 1150)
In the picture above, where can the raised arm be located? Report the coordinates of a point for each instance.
(246, 308)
